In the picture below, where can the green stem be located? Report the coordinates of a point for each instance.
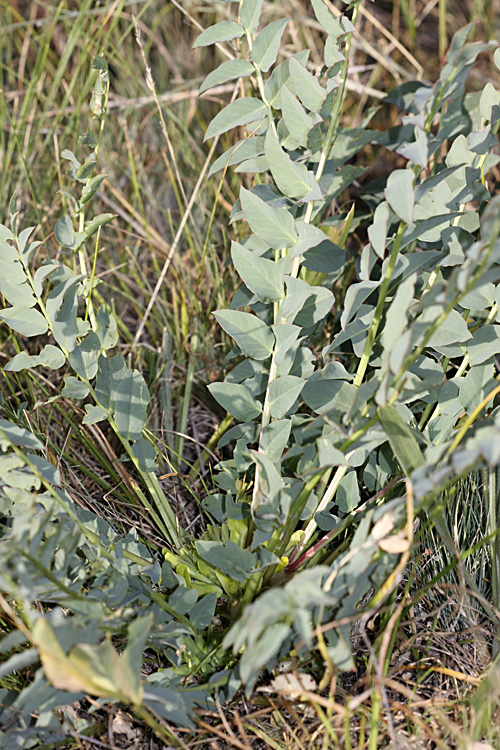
(384, 288)
(325, 152)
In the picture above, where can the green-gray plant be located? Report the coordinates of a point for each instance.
(362, 386)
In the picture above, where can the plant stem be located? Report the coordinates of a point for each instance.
(384, 287)
(329, 141)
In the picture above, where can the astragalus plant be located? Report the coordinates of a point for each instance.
(360, 383)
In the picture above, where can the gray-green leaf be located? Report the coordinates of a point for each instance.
(262, 276)
(282, 394)
(266, 45)
(401, 439)
(26, 321)
(292, 178)
(64, 231)
(237, 400)
(228, 557)
(400, 194)
(275, 439)
(250, 13)
(239, 112)
(50, 356)
(307, 87)
(131, 401)
(228, 71)
(252, 335)
(273, 225)
(219, 32)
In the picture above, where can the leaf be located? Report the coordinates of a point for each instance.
(286, 335)
(59, 293)
(267, 44)
(131, 399)
(107, 328)
(280, 76)
(485, 343)
(65, 328)
(348, 497)
(83, 359)
(418, 151)
(275, 439)
(282, 394)
(12, 433)
(496, 57)
(224, 31)
(110, 372)
(240, 152)
(252, 335)
(266, 503)
(260, 653)
(291, 178)
(228, 71)
(474, 387)
(325, 395)
(262, 276)
(490, 98)
(94, 414)
(453, 330)
(239, 112)
(327, 20)
(332, 53)
(228, 557)
(275, 226)
(400, 194)
(297, 292)
(98, 221)
(396, 317)
(64, 232)
(145, 454)
(296, 119)
(202, 613)
(25, 320)
(96, 670)
(19, 294)
(250, 11)
(6, 234)
(50, 356)
(13, 272)
(315, 308)
(237, 400)
(377, 232)
(401, 439)
(307, 87)
(356, 295)
(74, 388)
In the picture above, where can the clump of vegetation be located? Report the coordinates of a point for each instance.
(360, 393)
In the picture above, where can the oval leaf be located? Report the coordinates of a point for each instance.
(236, 399)
(273, 225)
(228, 71)
(240, 112)
(219, 32)
(254, 338)
(400, 194)
(262, 276)
(267, 44)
